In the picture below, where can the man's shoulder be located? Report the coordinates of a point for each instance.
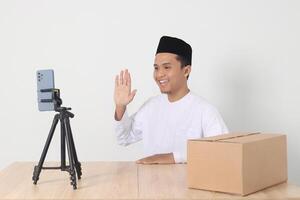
(155, 99)
(201, 103)
(199, 100)
(152, 101)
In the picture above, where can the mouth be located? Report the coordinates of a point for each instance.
(163, 82)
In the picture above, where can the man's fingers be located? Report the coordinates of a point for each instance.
(138, 162)
(117, 81)
(147, 161)
(121, 77)
(126, 77)
(129, 81)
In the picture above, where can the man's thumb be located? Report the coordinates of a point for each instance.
(132, 94)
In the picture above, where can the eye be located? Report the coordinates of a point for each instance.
(167, 67)
(155, 68)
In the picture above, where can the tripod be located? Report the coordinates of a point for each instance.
(63, 116)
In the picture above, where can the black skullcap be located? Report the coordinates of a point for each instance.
(175, 45)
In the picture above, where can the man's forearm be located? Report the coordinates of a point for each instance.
(119, 112)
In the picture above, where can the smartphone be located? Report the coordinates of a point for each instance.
(45, 86)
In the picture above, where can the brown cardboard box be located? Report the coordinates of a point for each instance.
(239, 163)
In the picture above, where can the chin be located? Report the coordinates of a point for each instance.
(164, 91)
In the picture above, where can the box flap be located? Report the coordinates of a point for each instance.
(252, 138)
(225, 137)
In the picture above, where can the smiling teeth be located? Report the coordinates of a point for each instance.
(164, 81)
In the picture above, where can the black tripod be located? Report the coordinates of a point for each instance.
(63, 116)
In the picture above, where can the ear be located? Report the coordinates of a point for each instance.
(187, 70)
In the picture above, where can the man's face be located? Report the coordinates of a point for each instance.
(168, 74)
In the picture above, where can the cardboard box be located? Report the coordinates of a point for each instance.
(238, 163)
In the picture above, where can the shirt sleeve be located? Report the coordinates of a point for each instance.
(128, 129)
(212, 123)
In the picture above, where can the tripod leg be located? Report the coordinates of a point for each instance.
(70, 154)
(76, 162)
(38, 168)
(62, 144)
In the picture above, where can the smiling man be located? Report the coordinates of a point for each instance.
(165, 122)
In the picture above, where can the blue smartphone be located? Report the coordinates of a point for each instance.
(45, 86)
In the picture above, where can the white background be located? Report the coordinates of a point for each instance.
(245, 62)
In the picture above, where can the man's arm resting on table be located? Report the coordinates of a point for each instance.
(158, 159)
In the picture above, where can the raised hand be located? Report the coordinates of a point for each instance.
(123, 94)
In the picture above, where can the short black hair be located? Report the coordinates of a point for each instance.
(184, 62)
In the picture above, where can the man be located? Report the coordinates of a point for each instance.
(165, 122)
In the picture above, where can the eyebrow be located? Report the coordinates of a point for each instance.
(164, 64)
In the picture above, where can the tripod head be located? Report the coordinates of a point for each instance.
(55, 99)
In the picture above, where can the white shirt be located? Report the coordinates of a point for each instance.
(166, 126)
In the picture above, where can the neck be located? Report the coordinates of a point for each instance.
(175, 96)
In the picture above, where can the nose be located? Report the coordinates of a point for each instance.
(160, 73)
